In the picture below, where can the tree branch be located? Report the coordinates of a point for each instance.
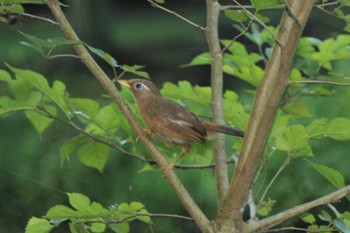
(266, 102)
(297, 210)
(212, 35)
(197, 214)
(154, 4)
(318, 82)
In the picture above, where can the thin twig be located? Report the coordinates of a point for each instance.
(236, 37)
(260, 22)
(318, 82)
(39, 18)
(153, 216)
(154, 4)
(63, 56)
(278, 6)
(284, 165)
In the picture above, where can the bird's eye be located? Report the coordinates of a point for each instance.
(138, 86)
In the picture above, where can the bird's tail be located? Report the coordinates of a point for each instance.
(223, 129)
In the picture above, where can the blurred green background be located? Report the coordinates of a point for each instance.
(31, 179)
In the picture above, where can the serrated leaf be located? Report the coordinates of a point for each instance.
(237, 15)
(94, 154)
(55, 94)
(308, 218)
(36, 225)
(122, 227)
(135, 69)
(135, 206)
(61, 212)
(337, 129)
(294, 139)
(332, 175)
(105, 56)
(71, 145)
(144, 218)
(80, 202)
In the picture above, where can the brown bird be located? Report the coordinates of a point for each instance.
(170, 121)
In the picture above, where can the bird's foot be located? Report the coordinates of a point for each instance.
(144, 133)
(168, 169)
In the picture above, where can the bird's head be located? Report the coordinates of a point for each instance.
(141, 88)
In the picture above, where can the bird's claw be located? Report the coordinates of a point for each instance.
(144, 133)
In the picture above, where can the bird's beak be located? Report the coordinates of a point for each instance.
(124, 83)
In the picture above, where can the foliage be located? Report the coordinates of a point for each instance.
(101, 128)
(87, 216)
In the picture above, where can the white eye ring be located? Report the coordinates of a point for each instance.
(140, 86)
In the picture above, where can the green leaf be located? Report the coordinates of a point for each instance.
(45, 47)
(325, 216)
(105, 56)
(200, 59)
(61, 212)
(79, 201)
(83, 109)
(57, 93)
(135, 69)
(308, 218)
(294, 139)
(159, 1)
(332, 175)
(94, 154)
(107, 119)
(40, 122)
(265, 4)
(145, 218)
(122, 227)
(71, 145)
(36, 225)
(266, 207)
(98, 227)
(337, 129)
(135, 206)
(297, 108)
(237, 15)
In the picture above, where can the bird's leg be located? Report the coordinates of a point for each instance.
(185, 150)
(145, 133)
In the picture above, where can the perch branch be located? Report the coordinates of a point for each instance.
(297, 210)
(186, 199)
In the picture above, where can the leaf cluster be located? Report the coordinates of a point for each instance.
(85, 216)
